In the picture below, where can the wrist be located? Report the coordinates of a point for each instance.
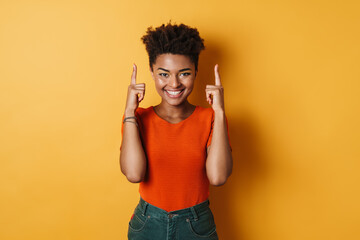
(129, 113)
(219, 112)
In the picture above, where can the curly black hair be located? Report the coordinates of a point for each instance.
(174, 39)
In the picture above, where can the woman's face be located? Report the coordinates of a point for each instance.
(174, 77)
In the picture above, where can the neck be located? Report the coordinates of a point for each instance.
(175, 111)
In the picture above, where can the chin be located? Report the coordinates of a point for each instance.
(175, 103)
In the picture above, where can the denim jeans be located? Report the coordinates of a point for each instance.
(152, 223)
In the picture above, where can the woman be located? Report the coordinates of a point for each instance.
(175, 149)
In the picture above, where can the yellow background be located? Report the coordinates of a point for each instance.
(290, 70)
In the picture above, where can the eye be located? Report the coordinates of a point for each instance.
(185, 74)
(163, 74)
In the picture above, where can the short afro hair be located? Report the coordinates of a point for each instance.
(174, 39)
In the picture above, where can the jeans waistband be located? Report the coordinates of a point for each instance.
(193, 212)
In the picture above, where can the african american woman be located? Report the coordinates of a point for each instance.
(175, 149)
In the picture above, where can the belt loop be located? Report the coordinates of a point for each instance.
(144, 208)
(194, 213)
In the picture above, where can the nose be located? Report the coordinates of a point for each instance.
(174, 82)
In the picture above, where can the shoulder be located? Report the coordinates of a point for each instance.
(205, 112)
(203, 115)
(143, 112)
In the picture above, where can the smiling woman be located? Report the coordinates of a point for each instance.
(174, 149)
(174, 77)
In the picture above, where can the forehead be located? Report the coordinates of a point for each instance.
(173, 61)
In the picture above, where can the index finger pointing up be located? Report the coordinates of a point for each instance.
(133, 75)
(217, 75)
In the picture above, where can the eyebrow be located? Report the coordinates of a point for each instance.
(184, 69)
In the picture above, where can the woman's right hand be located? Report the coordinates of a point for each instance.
(135, 94)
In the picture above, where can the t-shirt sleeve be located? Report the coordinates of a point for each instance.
(211, 131)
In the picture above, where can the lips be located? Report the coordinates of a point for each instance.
(174, 94)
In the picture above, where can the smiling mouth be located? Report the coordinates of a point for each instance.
(174, 94)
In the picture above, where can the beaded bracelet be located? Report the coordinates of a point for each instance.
(132, 122)
(127, 118)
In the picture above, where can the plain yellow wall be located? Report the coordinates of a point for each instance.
(290, 71)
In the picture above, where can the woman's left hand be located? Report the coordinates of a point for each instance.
(215, 93)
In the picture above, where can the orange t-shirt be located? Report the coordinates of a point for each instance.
(176, 155)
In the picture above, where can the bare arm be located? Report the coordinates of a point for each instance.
(132, 155)
(219, 161)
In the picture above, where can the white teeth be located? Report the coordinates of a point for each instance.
(173, 92)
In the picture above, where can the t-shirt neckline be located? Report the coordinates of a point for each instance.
(186, 119)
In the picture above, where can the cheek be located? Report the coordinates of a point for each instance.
(189, 82)
(159, 83)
